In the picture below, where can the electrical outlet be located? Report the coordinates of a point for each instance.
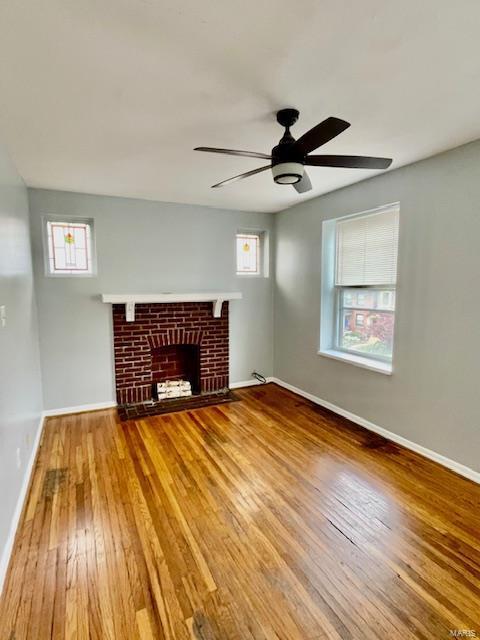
(19, 458)
(3, 315)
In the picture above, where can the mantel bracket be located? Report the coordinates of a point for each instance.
(217, 307)
(130, 311)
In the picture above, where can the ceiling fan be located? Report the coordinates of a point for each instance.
(289, 158)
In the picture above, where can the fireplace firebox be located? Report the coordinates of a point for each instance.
(176, 362)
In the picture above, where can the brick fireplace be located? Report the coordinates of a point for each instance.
(169, 341)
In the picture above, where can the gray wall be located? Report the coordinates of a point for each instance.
(20, 387)
(432, 398)
(142, 247)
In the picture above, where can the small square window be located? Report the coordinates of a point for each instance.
(69, 247)
(248, 254)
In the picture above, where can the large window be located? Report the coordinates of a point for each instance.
(69, 247)
(359, 287)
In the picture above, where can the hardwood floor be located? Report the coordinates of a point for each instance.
(268, 518)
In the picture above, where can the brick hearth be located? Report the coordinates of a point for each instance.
(137, 344)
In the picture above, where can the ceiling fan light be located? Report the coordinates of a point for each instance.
(287, 172)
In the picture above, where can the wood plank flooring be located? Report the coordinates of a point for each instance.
(264, 519)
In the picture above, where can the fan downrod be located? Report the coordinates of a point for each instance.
(287, 117)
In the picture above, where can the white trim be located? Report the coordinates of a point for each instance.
(461, 469)
(139, 298)
(358, 361)
(8, 548)
(247, 383)
(80, 408)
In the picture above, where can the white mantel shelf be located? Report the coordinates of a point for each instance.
(217, 298)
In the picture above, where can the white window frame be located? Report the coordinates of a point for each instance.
(330, 309)
(263, 259)
(46, 247)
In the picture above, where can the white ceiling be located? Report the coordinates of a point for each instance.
(111, 97)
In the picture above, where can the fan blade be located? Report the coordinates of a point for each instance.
(322, 133)
(304, 184)
(350, 162)
(233, 152)
(241, 176)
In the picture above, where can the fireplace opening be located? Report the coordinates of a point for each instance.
(176, 362)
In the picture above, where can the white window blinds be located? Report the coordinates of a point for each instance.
(366, 249)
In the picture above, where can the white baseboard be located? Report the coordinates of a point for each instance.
(81, 408)
(461, 469)
(244, 383)
(8, 548)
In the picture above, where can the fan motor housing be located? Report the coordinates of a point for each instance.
(286, 152)
(287, 162)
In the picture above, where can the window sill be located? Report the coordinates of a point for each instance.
(252, 276)
(358, 361)
(249, 275)
(70, 275)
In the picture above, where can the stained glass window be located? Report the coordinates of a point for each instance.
(248, 253)
(69, 248)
